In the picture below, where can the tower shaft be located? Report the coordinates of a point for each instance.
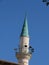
(24, 53)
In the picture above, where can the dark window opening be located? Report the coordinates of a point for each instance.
(25, 45)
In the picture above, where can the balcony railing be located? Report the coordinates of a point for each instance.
(31, 50)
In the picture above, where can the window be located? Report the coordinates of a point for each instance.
(25, 45)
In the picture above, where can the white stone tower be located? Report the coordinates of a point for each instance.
(24, 51)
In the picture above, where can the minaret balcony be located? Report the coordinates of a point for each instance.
(24, 54)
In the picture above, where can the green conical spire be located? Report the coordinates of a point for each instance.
(24, 32)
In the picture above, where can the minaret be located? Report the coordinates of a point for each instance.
(24, 51)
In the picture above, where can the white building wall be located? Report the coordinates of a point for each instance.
(24, 41)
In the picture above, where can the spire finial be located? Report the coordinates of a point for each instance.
(25, 28)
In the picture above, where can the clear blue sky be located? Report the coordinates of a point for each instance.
(12, 13)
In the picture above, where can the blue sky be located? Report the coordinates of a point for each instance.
(12, 13)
